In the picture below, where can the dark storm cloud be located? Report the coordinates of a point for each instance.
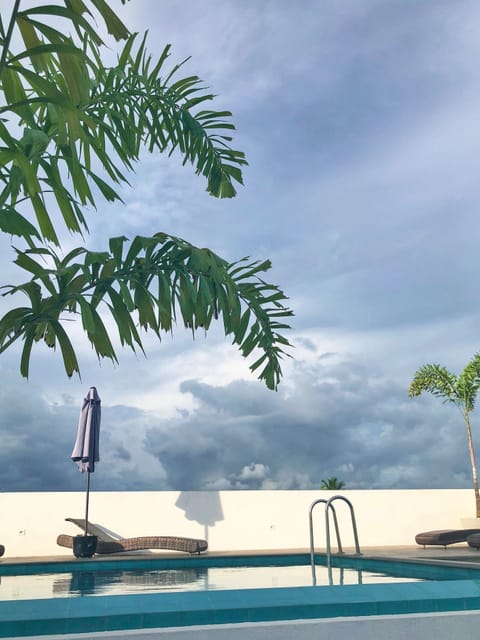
(37, 439)
(338, 418)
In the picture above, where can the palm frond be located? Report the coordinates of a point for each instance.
(434, 379)
(74, 113)
(469, 382)
(149, 285)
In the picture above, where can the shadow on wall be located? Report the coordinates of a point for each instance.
(203, 507)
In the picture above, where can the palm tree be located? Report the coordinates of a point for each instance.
(333, 484)
(459, 390)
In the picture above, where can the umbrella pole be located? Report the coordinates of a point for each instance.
(86, 507)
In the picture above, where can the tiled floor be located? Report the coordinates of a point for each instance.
(453, 553)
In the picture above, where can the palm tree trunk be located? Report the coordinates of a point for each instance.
(474, 467)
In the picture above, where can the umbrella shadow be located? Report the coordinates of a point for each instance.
(204, 507)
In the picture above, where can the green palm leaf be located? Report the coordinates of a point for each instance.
(436, 380)
(73, 128)
(58, 87)
(151, 284)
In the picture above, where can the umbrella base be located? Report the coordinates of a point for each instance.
(84, 546)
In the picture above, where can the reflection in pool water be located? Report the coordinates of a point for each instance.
(131, 581)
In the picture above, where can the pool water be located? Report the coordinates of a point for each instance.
(91, 595)
(96, 583)
(111, 578)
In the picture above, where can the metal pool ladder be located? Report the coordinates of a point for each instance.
(329, 507)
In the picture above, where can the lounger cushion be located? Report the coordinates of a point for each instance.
(444, 537)
(474, 540)
(93, 529)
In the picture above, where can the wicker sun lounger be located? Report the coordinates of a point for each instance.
(108, 544)
(444, 537)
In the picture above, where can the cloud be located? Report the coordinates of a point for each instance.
(339, 418)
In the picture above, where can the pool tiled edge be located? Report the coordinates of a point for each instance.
(108, 613)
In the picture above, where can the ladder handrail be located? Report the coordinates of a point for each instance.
(329, 507)
(354, 524)
(312, 544)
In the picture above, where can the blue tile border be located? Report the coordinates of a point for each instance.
(107, 613)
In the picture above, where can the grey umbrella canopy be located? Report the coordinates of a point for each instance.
(86, 450)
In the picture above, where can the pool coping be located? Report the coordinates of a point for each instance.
(454, 555)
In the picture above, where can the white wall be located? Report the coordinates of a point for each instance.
(229, 520)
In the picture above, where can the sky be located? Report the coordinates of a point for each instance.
(360, 125)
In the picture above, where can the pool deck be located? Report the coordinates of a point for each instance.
(456, 553)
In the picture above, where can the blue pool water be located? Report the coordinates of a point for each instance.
(152, 576)
(149, 579)
(100, 595)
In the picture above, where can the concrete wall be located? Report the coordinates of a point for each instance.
(229, 520)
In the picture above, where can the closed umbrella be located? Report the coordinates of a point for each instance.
(86, 450)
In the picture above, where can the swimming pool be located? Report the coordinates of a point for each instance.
(31, 582)
(147, 578)
(99, 595)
